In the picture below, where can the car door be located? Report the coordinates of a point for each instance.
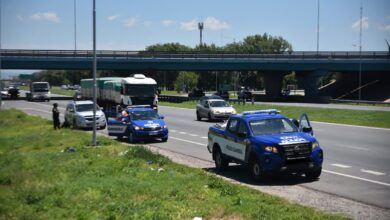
(304, 124)
(233, 145)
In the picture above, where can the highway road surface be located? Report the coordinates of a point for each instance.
(356, 165)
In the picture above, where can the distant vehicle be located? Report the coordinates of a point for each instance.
(138, 123)
(13, 93)
(196, 93)
(268, 142)
(214, 109)
(4, 93)
(111, 91)
(79, 114)
(64, 87)
(39, 91)
(223, 94)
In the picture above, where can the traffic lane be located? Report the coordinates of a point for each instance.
(355, 146)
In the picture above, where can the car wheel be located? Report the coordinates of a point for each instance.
(131, 138)
(103, 127)
(198, 116)
(313, 174)
(256, 173)
(164, 139)
(221, 164)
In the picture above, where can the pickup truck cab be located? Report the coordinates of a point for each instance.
(138, 123)
(268, 142)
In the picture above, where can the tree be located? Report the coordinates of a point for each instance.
(186, 81)
(168, 47)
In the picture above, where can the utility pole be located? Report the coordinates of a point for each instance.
(75, 27)
(94, 75)
(318, 26)
(360, 52)
(200, 27)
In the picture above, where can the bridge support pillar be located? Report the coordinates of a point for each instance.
(311, 82)
(273, 84)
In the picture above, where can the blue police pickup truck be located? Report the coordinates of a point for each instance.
(138, 123)
(268, 142)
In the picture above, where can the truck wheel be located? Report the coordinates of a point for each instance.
(198, 116)
(256, 172)
(221, 163)
(313, 174)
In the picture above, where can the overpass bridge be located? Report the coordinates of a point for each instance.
(309, 66)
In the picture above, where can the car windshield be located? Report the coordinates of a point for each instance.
(85, 107)
(219, 104)
(272, 126)
(40, 87)
(144, 115)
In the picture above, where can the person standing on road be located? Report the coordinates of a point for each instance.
(56, 116)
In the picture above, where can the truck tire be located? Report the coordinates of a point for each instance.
(255, 169)
(198, 118)
(221, 164)
(313, 174)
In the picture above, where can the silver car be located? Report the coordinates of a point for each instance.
(79, 114)
(214, 109)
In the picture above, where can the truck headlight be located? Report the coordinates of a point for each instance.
(271, 149)
(138, 128)
(314, 145)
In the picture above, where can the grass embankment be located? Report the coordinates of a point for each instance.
(340, 116)
(114, 181)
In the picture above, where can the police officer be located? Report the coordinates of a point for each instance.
(56, 116)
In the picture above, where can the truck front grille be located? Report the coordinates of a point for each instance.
(296, 151)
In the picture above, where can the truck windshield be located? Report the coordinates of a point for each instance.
(140, 90)
(144, 115)
(40, 87)
(219, 104)
(272, 126)
(85, 108)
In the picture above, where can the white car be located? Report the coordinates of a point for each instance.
(79, 114)
(214, 109)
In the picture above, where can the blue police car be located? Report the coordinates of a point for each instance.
(268, 142)
(138, 123)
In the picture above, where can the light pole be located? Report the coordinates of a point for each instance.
(94, 75)
(75, 27)
(360, 53)
(318, 26)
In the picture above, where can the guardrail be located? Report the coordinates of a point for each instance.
(197, 54)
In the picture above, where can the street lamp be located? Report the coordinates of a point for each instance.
(318, 26)
(94, 75)
(200, 27)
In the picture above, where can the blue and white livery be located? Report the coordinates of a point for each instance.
(268, 142)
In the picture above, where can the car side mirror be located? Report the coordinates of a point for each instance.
(241, 134)
(307, 129)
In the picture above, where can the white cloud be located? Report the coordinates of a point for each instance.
(112, 17)
(169, 22)
(385, 28)
(130, 22)
(189, 25)
(214, 24)
(356, 25)
(46, 16)
(210, 23)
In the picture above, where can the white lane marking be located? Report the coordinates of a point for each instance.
(372, 172)
(182, 132)
(204, 137)
(340, 165)
(350, 147)
(33, 109)
(194, 135)
(192, 142)
(357, 126)
(355, 177)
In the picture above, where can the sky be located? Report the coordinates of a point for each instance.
(133, 25)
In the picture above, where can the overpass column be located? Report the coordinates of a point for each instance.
(273, 84)
(311, 82)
